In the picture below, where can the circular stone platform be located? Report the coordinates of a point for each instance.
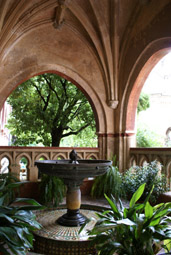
(61, 240)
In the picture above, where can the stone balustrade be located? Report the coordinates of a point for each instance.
(140, 156)
(12, 156)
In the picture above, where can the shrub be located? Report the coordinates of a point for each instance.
(149, 174)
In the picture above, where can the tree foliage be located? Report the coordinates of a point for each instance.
(144, 102)
(47, 108)
(146, 137)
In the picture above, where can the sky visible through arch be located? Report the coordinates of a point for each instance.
(158, 85)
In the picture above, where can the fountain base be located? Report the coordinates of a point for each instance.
(55, 239)
(73, 218)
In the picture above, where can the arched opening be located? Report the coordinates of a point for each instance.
(138, 75)
(68, 103)
(68, 74)
(137, 88)
(4, 165)
(153, 117)
(23, 169)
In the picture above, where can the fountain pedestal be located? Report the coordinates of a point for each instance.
(73, 217)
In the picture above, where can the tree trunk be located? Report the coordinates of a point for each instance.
(56, 137)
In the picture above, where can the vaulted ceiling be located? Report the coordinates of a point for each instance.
(101, 45)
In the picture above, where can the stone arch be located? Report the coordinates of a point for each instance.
(28, 166)
(142, 67)
(9, 158)
(139, 73)
(75, 78)
(168, 135)
(133, 161)
(168, 131)
(168, 172)
(42, 155)
(59, 156)
(158, 159)
(6, 155)
(79, 156)
(23, 155)
(91, 156)
(143, 161)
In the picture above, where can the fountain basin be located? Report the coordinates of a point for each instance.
(73, 171)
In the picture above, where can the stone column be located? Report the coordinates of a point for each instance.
(32, 173)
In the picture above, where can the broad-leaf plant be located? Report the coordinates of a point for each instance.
(136, 230)
(17, 221)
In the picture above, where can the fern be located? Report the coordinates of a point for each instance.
(52, 190)
(109, 183)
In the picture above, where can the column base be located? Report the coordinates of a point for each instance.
(73, 218)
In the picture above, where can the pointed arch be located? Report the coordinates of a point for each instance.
(75, 78)
(138, 75)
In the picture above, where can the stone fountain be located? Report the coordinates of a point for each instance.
(73, 172)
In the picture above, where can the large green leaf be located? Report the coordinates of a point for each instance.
(137, 195)
(8, 233)
(148, 210)
(113, 206)
(102, 228)
(2, 199)
(27, 200)
(127, 222)
(4, 216)
(167, 245)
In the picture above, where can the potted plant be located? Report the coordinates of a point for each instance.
(17, 221)
(138, 229)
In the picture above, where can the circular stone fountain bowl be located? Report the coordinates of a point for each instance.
(76, 170)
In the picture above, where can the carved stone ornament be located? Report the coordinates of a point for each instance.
(59, 14)
(113, 104)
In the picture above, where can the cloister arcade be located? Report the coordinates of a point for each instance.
(106, 47)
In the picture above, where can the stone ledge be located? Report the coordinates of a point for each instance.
(165, 197)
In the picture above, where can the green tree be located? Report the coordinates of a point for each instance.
(144, 102)
(47, 108)
(146, 137)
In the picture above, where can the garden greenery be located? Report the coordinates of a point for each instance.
(136, 230)
(17, 221)
(52, 190)
(146, 137)
(149, 174)
(110, 183)
(124, 185)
